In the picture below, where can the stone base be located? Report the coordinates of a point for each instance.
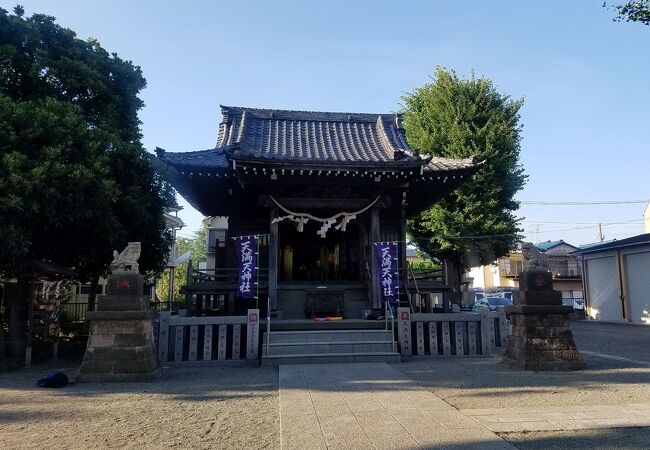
(541, 339)
(120, 348)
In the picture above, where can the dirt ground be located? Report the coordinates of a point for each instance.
(487, 383)
(187, 408)
(613, 438)
(237, 407)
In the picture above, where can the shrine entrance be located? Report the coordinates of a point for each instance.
(306, 256)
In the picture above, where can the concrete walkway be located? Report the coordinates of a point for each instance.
(577, 417)
(370, 406)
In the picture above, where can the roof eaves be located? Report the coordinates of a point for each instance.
(641, 239)
(215, 158)
(379, 165)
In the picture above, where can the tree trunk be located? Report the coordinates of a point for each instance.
(453, 278)
(18, 317)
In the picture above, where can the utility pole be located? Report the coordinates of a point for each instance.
(601, 238)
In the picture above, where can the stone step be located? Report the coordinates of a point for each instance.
(331, 358)
(330, 336)
(340, 347)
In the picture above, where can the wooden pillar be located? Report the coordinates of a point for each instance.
(375, 236)
(404, 276)
(273, 259)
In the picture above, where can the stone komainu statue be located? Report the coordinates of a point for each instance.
(534, 260)
(127, 261)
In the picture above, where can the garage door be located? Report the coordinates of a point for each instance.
(637, 269)
(604, 289)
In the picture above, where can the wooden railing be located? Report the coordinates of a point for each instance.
(451, 334)
(197, 339)
(421, 284)
(427, 274)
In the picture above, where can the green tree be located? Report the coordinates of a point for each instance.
(632, 11)
(197, 245)
(458, 118)
(75, 181)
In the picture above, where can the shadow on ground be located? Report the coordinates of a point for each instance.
(614, 438)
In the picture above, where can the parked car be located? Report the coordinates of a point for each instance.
(491, 303)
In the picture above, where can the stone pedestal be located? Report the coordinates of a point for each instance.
(541, 338)
(121, 343)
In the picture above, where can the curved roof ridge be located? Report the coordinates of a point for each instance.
(324, 115)
(242, 125)
(396, 141)
(437, 163)
(385, 139)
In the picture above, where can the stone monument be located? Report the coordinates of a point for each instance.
(541, 338)
(121, 343)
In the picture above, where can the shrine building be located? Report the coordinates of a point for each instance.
(317, 190)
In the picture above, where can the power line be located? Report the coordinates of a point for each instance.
(581, 203)
(484, 236)
(640, 219)
(587, 227)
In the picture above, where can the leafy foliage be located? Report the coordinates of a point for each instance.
(75, 182)
(197, 244)
(632, 11)
(459, 118)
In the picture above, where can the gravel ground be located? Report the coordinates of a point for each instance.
(237, 407)
(187, 408)
(615, 438)
(487, 383)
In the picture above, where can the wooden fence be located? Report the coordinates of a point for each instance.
(451, 334)
(195, 339)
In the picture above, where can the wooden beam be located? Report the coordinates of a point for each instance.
(375, 236)
(273, 259)
(347, 204)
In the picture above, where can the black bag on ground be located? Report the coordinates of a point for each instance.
(53, 380)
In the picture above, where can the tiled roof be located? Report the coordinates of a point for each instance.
(314, 136)
(211, 158)
(438, 163)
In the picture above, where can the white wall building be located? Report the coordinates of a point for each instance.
(617, 280)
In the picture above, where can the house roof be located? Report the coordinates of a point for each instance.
(548, 244)
(641, 239)
(595, 244)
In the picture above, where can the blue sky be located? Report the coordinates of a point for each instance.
(584, 78)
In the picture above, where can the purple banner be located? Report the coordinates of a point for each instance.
(247, 260)
(386, 257)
